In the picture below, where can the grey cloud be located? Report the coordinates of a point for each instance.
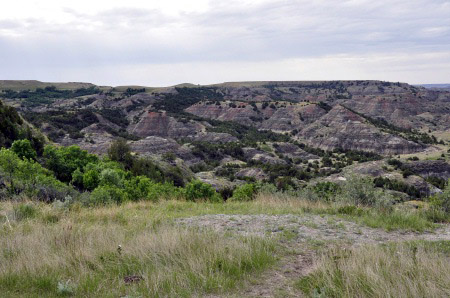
(230, 31)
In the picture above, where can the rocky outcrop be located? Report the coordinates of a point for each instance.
(240, 112)
(161, 125)
(293, 151)
(341, 128)
(217, 182)
(151, 146)
(214, 137)
(408, 111)
(427, 168)
(255, 173)
(262, 156)
(292, 116)
(277, 116)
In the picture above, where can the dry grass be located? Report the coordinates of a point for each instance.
(293, 204)
(82, 256)
(42, 246)
(395, 270)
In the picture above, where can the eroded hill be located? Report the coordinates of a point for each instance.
(285, 132)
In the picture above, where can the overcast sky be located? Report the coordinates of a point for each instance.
(160, 43)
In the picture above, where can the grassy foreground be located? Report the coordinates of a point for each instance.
(411, 269)
(46, 253)
(55, 250)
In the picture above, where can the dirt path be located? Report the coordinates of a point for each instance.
(298, 233)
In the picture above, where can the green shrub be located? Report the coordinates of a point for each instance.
(436, 214)
(9, 164)
(63, 161)
(77, 178)
(439, 210)
(361, 191)
(24, 211)
(103, 195)
(137, 188)
(326, 190)
(91, 179)
(397, 185)
(437, 181)
(23, 149)
(30, 178)
(112, 177)
(244, 193)
(266, 188)
(146, 167)
(197, 190)
(120, 151)
(163, 191)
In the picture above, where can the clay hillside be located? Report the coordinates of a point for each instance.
(228, 133)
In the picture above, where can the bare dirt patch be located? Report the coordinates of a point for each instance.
(298, 235)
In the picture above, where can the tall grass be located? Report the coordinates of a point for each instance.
(82, 258)
(420, 269)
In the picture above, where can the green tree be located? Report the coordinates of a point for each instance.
(63, 161)
(91, 179)
(24, 149)
(146, 167)
(198, 190)
(9, 164)
(112, 177)
(107, 194)
(244, 192)
(137, 187)
(120, 151)
(77, 178)
(30, 173)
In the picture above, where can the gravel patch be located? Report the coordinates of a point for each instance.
(307, 227)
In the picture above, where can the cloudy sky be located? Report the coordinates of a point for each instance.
(166, 42)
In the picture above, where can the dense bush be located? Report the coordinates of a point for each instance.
(396, 185)
(63, 161)
(185, 97)
(163, 191)
(326, 190)
(91, 179)
(24, 149)
(441, 202)
(197, 190)
(107, 194)
(362, 192)
(10, 123)
(13, 128)
(437, 181)
(28, 178)
(120, 151)
(62, 122)
(146, 167)
(243, 193)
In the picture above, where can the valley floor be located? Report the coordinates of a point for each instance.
(266, 248)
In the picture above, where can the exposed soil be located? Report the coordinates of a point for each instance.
(298, 233)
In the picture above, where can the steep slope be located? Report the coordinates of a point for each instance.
(13, 127)
(341, 128)
(161, 125)
(277, 115)
(406, 111)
